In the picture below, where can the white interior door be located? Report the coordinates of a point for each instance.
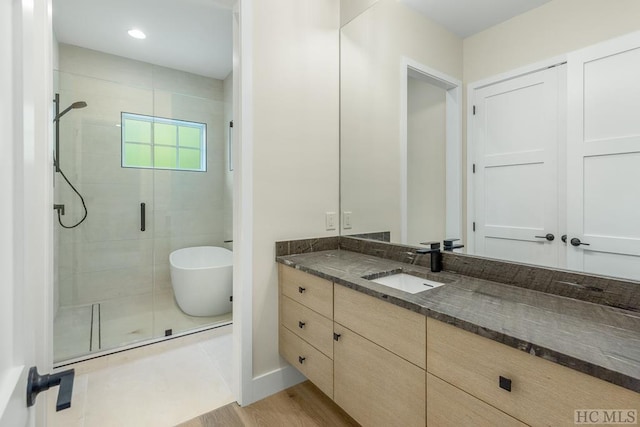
(603, 156)
(25, 217)
(516, 132)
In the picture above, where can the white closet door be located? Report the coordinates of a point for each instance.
(603, 153)
(516, 181)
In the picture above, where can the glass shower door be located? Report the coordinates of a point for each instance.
(192, 189)
(103, 266)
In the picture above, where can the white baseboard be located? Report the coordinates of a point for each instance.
(272, 382)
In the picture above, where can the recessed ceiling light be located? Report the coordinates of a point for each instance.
(137, 34)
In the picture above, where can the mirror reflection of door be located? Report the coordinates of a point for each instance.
(604, 158)
(516, 129)
(426, 161)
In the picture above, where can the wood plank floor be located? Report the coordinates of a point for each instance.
(302, 405)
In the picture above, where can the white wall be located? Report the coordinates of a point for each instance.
(372, 47)
(296, 155)
(108, 256)
(426, 162)
(349, 9)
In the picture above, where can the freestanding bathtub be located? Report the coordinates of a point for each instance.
(202, 280)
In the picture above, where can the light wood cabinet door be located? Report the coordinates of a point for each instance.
(317, 330)
(542, 393)
(448, 406)
(310, 291)
(374, 386)
(317, 367)
(397, 329)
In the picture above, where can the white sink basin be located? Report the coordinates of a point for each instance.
(407, 283)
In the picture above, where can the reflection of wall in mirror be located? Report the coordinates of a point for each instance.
(555, 28)
(426, 203)
(372, 46)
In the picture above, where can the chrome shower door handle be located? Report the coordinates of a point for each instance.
(143, 216)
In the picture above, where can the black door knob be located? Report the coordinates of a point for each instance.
(37, 383)
(564, 238)
(576, 242)
(301, 324)
(550, 237)
(301, 289)
(301, 359)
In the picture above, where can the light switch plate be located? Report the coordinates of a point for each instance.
(331, 218)
(346, 220)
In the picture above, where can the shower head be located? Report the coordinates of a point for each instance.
(79, 104)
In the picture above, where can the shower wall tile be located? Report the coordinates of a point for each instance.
(87, 62)
(99, 286)
(116, 254)
(105, 99)
(167, 79)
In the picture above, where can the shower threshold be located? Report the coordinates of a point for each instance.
(110, 326)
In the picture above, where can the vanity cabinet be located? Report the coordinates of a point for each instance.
(375, 386)
(306, 325)
(386, 365)
(533, 390)
(371, 360)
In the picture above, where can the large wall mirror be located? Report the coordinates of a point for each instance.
(517, 136)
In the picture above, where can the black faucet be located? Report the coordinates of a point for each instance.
(436, 255)
(449, 246)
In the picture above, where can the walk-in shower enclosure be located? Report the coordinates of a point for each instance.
(149, 135)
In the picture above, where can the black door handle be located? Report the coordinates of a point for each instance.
(301, 289)
(301, 324)
(301, 359)
(143, 216)
(564, 238)
(37, 383)
(576, 242)
(550, 237)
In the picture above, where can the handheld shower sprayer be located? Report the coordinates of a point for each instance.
(56, 158)
(79, 104)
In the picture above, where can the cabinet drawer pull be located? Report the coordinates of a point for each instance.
(301, 359)
(336, 337)
(301, 325)
(301, 289)
(505, 383)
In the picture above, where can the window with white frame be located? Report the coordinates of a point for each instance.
(159, 143)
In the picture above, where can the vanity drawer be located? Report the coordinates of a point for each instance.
(308, 290)
(542, 393)
(317, 367)
(448, 406)
(317, 330)
(399, 330)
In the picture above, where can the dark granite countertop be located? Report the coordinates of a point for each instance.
(594, 339)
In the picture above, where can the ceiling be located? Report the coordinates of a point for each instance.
(467, 17)
(188, 35)
(196, 35)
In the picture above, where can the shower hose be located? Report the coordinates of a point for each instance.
(84, 206)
